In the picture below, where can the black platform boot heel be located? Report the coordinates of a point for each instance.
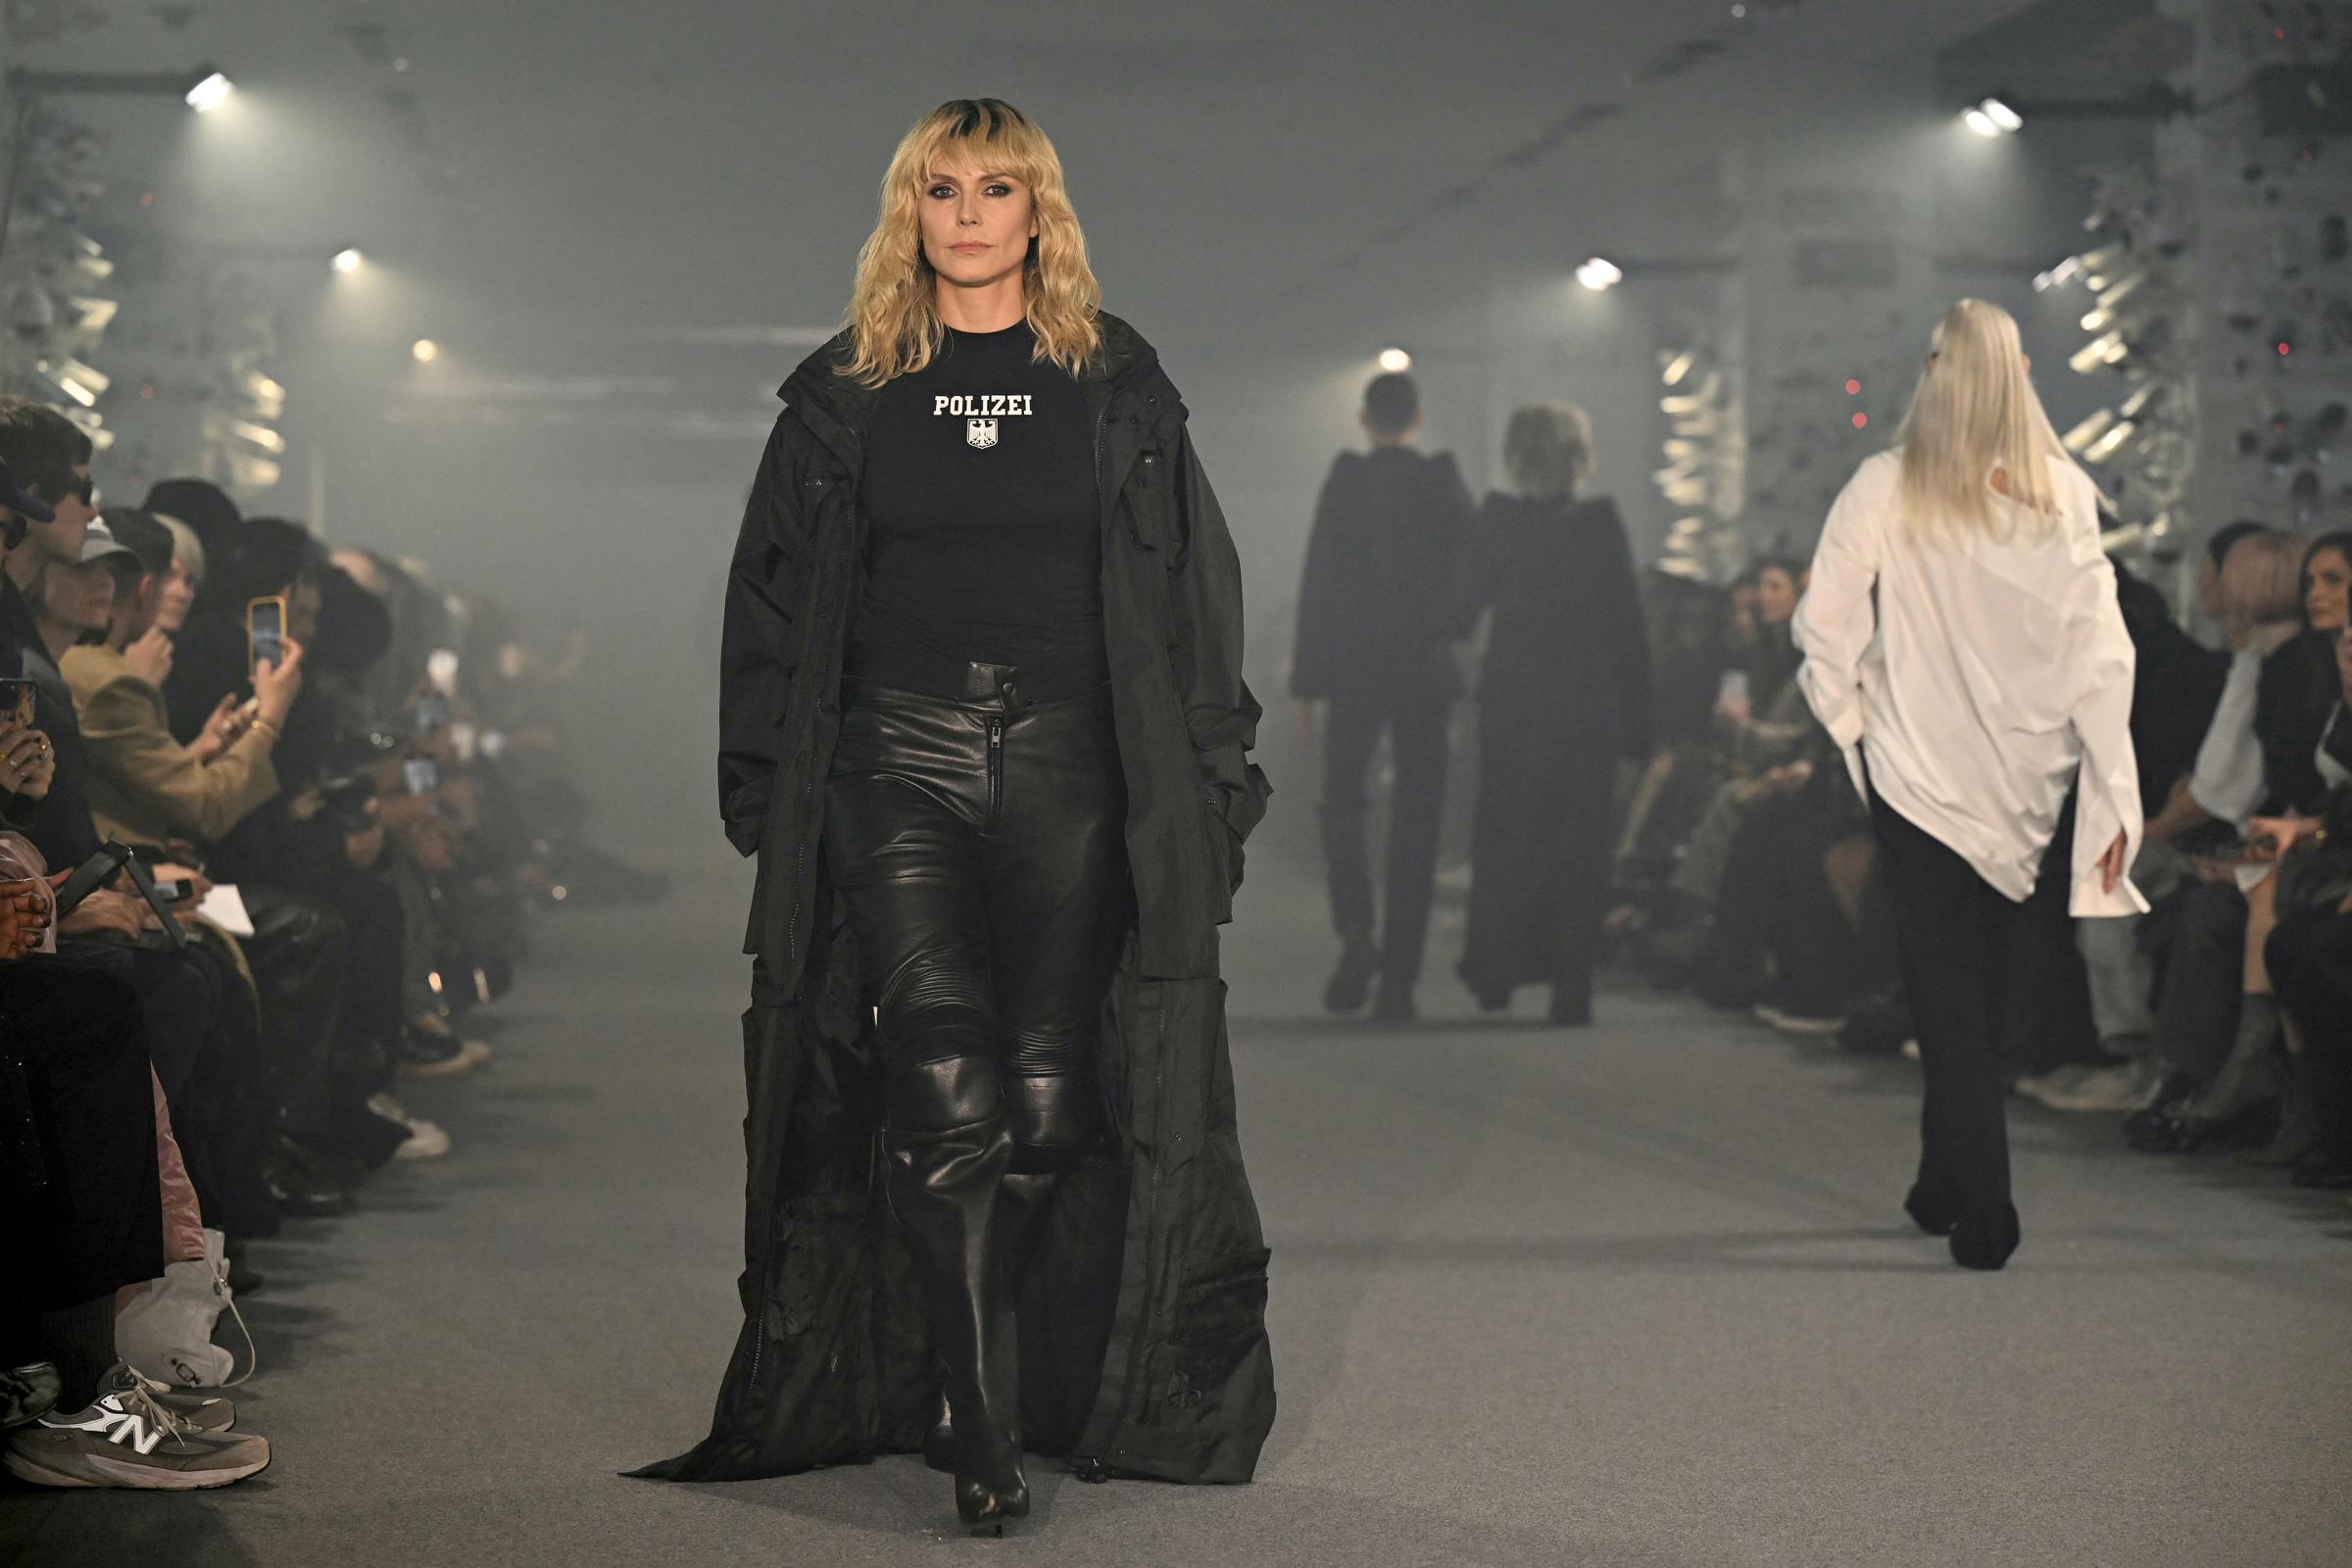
(947, 1147)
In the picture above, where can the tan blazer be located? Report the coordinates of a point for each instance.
(145, 786)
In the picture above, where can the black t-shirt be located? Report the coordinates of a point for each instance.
(984, 527)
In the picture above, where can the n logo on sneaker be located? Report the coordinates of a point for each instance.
(115, 1424)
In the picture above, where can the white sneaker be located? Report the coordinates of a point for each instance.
(1795, 1023)
(2127, 1087)
(2058, 1080)
(425, 1139)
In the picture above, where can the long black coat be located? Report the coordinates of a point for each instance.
(1144, 1345)
(1564, 694)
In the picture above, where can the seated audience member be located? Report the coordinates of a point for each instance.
(146, 787)
(2216, 1020)
(2176, 695)
(2309, 958)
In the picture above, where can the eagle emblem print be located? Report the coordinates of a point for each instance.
(981, 413)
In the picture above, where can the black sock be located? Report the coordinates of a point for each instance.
(80, 1339)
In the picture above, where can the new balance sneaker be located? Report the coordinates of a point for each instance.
(127, 1437)
(27, 1393)
(209, 1414)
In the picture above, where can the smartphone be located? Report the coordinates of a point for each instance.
(89, 877)
(179, 890)
(441, 670)
(265, 633)
(432, 712)
(421, 775)
(15, 702)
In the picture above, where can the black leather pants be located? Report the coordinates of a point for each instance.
(980, 846)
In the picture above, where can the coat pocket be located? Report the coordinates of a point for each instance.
(1220, 1326)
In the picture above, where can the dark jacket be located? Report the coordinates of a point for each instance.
(59, 824)
(1568, 651)
(1148, 1355)
(1389, 532)
(2176, 685)
(2293, 697)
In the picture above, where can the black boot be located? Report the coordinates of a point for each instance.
(948, 1147)
(1350, 984)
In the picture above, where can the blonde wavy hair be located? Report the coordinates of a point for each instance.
(1548, 450)
(1974, 410)
(892, 318)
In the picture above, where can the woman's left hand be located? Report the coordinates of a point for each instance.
(2111, 863)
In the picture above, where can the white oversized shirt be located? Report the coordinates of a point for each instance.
(1982, 671)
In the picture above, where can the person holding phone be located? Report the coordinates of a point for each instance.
(145, 786)
(1964, 645)
(1023, 780)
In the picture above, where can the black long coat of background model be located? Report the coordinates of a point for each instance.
(1143, 1330)
(1563, 694)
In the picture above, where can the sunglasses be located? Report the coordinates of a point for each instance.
(83, 489)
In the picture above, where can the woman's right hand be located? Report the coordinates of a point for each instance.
(28, 762)
(275, 686)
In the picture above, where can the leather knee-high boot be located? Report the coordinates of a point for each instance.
(1059, 1120)
(948, 1147)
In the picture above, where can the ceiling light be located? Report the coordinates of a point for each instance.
(1980, 123)
(2002, 116)
(427, 350)
(348, 260)
(1394, 361)
(210, 93)
(1597, 275)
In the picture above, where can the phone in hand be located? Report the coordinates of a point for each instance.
(433, 714)
(15, 702)
(421, 775)
(89, 877)
(264, 631)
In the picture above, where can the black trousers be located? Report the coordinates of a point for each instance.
(2310, 958)
(80, 1204)
(1415, 721)
(980, 847)
(1963, 947)
(2204, 986)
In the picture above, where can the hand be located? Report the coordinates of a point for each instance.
(28, 762)
(429, 842)
(365, 847)
(1302, 720)
(150, 657)
(106, 913)
(23, 916)
(2111, 863)
(275, 686)
(184, 911)
(306, 805)
(230, 720)
(2269, 837)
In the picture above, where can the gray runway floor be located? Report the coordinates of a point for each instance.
(1636, 1296)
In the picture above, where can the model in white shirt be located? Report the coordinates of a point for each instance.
(1963, 644)
(1981, 661)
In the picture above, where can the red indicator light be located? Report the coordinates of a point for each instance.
(1861, 421)
(1853, 389)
